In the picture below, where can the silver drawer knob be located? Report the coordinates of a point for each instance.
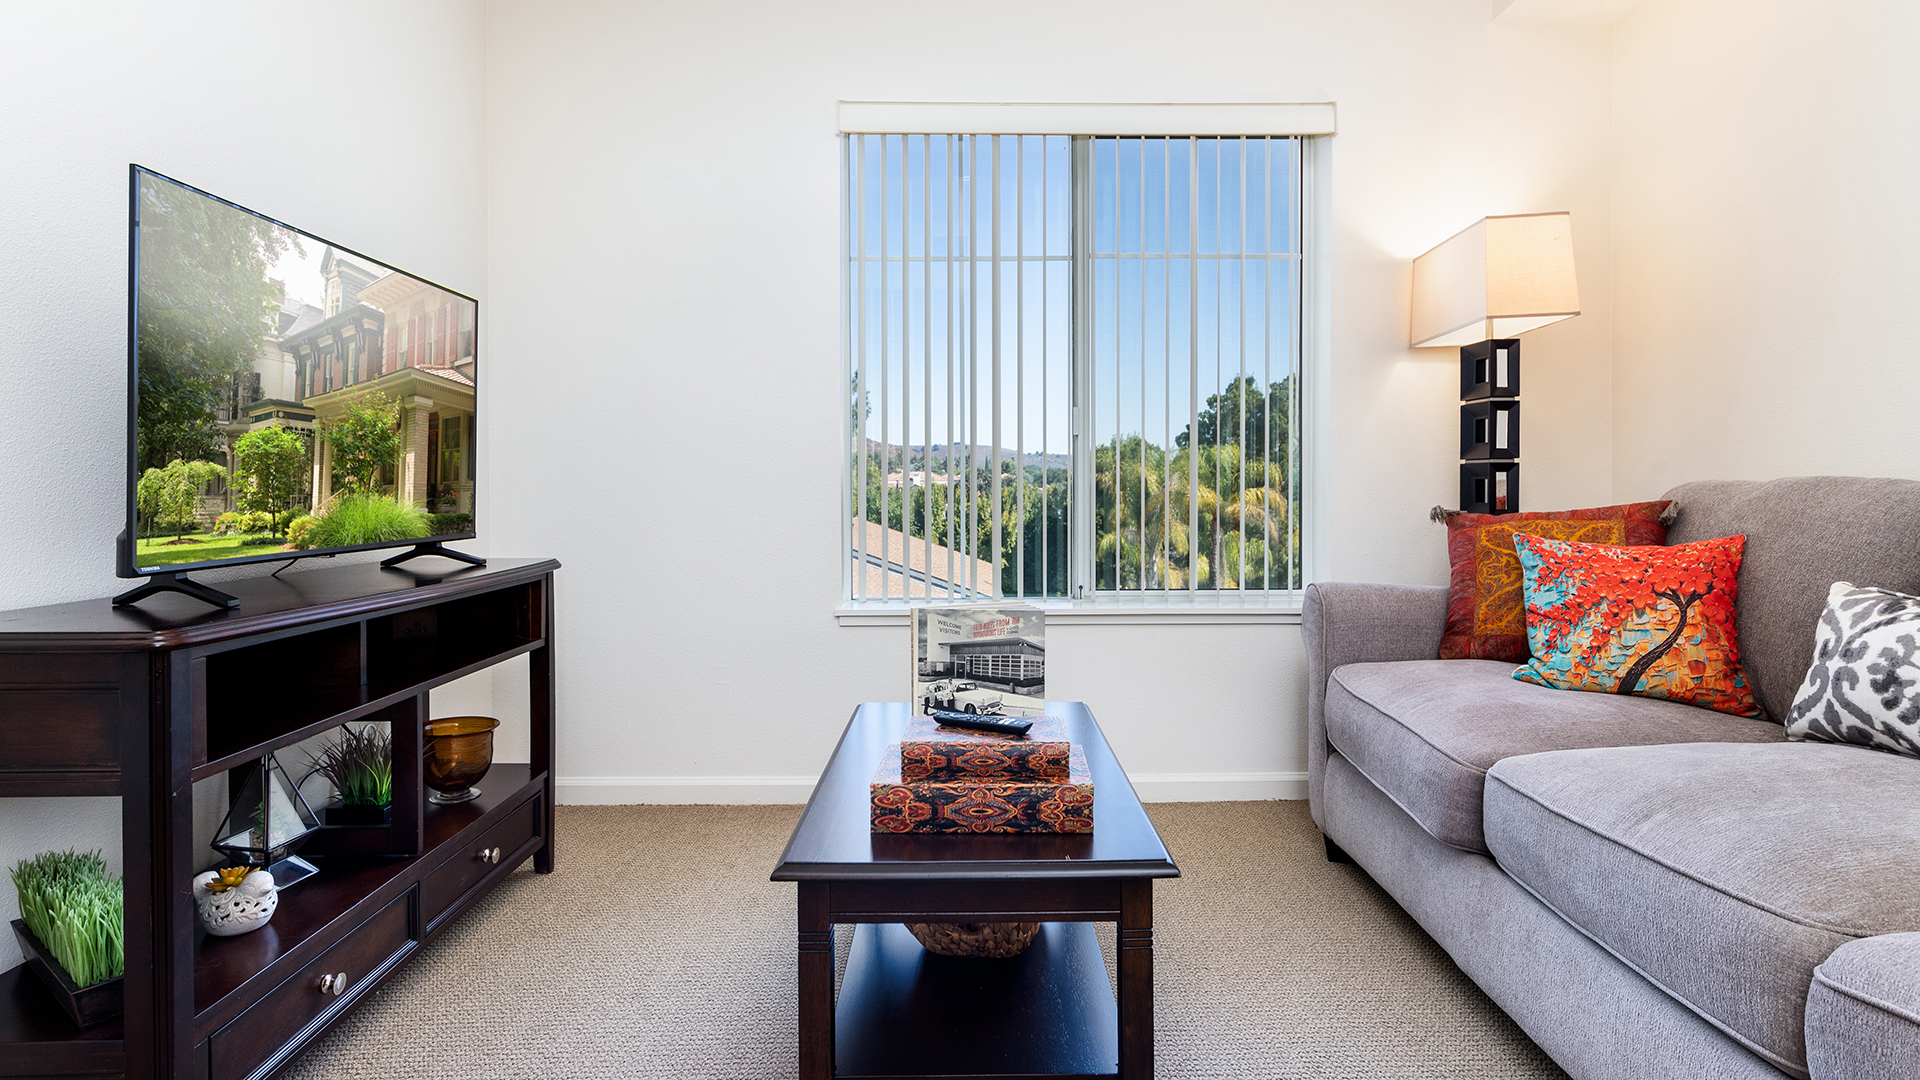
(490, 855)
(335, 984)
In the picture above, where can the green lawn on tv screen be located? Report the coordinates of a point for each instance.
(158, 551)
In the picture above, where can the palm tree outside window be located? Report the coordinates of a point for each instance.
(1090, 349)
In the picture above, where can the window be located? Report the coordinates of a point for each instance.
(1074, 366)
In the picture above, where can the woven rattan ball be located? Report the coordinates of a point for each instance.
(994, 940)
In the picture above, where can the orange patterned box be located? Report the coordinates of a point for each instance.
(931, 752)
(982, 806)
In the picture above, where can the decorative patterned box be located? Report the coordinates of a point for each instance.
(982, 806)
(931, 752)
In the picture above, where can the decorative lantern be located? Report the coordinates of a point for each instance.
(268, 821)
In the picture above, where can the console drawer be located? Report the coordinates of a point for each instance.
(445, 884)
(270, 1030)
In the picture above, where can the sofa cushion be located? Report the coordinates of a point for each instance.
(1486, 611)
(1864, 685)
(1651, 621)
(1425, 731)
(1723, 873)
(1863, 1011)
(1803, 534)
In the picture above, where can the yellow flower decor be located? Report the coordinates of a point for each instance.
(229, 878)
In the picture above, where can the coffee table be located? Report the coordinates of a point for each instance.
(905, 1012)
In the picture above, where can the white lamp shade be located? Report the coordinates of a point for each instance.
(1497, 278)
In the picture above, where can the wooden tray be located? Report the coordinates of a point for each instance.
(89, 1007)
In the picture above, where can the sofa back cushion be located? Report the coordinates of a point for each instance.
(1803, 534)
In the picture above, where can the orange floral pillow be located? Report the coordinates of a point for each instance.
(1486, 614)
(1653, 621)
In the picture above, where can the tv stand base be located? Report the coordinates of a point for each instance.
(434, 547)
(160, 583)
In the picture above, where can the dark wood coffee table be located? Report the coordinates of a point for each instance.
(905, 1012)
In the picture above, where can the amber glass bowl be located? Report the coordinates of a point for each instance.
(458, 752)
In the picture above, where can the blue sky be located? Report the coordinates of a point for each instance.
(1147, 308)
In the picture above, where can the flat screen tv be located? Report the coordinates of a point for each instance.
(287, 396)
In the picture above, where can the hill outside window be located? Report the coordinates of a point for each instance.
(1074, 367)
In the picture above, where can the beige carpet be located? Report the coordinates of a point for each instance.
(662, 950)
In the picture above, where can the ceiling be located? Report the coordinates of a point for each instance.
(1589, 12)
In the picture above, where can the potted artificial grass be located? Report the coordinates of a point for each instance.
(359, 764)
(72, 931)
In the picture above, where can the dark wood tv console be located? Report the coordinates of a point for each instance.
(141, 702)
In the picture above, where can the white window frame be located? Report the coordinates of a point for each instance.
(1314, 125)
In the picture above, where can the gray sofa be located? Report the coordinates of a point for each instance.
(1649, 889)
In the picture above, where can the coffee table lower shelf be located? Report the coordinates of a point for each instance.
(905, 1012)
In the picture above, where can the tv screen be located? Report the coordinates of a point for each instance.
(290, 396)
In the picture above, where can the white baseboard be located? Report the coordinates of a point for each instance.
(1217, 787)
(677, 790)
(755, 790)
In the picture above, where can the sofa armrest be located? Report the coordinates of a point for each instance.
(1350, 622)
(1863, 1011)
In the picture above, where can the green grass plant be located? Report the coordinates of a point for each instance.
(76, 911)
(356, 518)
(360, 766)
(349, 520)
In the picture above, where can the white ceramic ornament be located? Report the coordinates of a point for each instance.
(246, 906)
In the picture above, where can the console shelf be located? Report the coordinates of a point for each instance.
(238, 741)
(37, 1038)
(229, 973)
(141, 702)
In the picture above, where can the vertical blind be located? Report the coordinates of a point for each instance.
(1073, 365)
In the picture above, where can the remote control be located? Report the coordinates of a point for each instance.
(992, 725)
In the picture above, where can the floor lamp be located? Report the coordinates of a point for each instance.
(1480, 290)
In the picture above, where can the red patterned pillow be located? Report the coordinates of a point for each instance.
(1486, 614)
(1652, 621)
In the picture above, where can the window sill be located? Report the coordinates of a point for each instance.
(1281, 609)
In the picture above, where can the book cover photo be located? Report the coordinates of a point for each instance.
(989, 659)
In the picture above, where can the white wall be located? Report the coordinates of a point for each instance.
(1769, 298)
(663, 235)
(291, 109)
(644, 196)
(599, 171)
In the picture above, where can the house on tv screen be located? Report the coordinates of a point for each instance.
(380, 332)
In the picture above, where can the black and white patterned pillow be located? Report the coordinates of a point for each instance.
(1864, 686)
